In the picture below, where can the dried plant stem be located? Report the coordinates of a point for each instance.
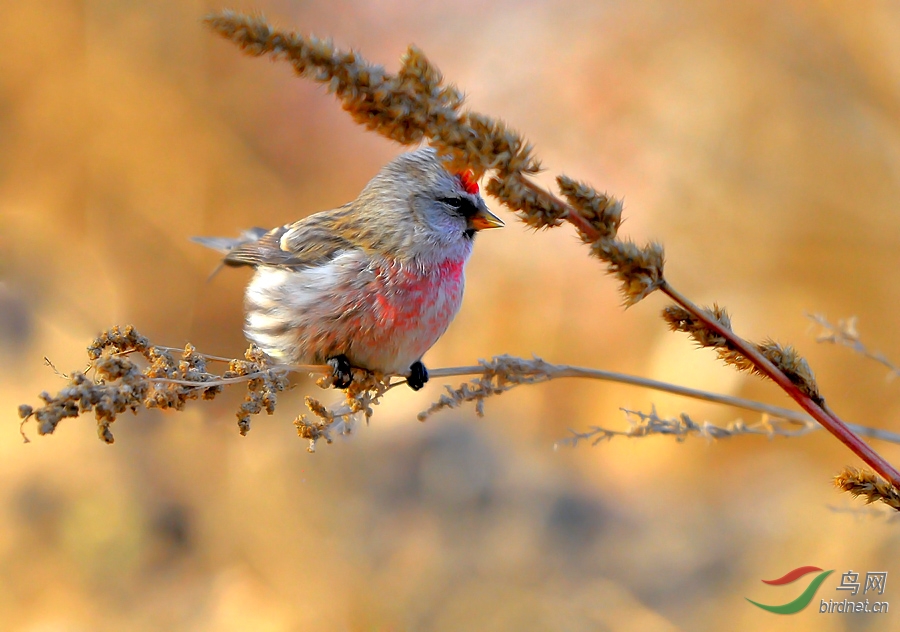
(118, 384)
(219, 381)
(831, 422)
(557, 371)
(550, 371)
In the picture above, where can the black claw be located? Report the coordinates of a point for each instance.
(418, 375)
(340, 370)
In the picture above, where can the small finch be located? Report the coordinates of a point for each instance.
(372, 284)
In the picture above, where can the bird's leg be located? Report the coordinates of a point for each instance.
(418, 375)
(340, 371)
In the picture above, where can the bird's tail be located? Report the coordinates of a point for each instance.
(227, 244)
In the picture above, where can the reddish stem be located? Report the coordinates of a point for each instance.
(831, 422)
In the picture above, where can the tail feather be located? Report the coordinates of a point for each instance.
(227, 244)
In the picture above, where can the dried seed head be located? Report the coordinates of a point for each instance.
(639, 269)
(534, 208)
(680, 319)
(794, 366)
(604, 213)
(865, 483)
(118, 340)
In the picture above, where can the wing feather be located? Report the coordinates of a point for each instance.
(311, 241)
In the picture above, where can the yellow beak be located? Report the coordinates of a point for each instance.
(485, 219)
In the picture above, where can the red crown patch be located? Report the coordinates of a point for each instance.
(467, 179)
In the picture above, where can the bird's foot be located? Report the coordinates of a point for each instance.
(340, 371)
(418, 375)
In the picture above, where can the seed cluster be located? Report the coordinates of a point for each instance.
(868, 484)
(263, 383)
(499, 374)
(365, 391)
(115, 383)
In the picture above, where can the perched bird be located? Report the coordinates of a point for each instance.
(372, 284)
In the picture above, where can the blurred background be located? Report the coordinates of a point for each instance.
(760, 142)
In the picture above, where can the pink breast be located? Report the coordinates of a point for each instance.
(407, 295)
(413, 308)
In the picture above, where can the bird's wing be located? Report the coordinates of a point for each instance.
(311, 241)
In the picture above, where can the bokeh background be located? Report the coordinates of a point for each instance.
(760, 142)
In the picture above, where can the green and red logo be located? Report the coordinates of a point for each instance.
(798, 604)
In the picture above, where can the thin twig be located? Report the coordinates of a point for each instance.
(556, 371)
(846, 334)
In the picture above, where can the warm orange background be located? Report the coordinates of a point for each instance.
(758, 141)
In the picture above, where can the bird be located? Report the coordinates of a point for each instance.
(372, 284)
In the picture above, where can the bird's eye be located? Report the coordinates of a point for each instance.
(454, 203)
(462, 206)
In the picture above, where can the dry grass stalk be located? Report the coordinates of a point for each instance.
(119, 384)
(643, 424)
(503, 373)
(846, 334)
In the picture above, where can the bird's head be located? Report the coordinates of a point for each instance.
(427, 208)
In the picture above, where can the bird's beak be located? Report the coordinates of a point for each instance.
(485, 219)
